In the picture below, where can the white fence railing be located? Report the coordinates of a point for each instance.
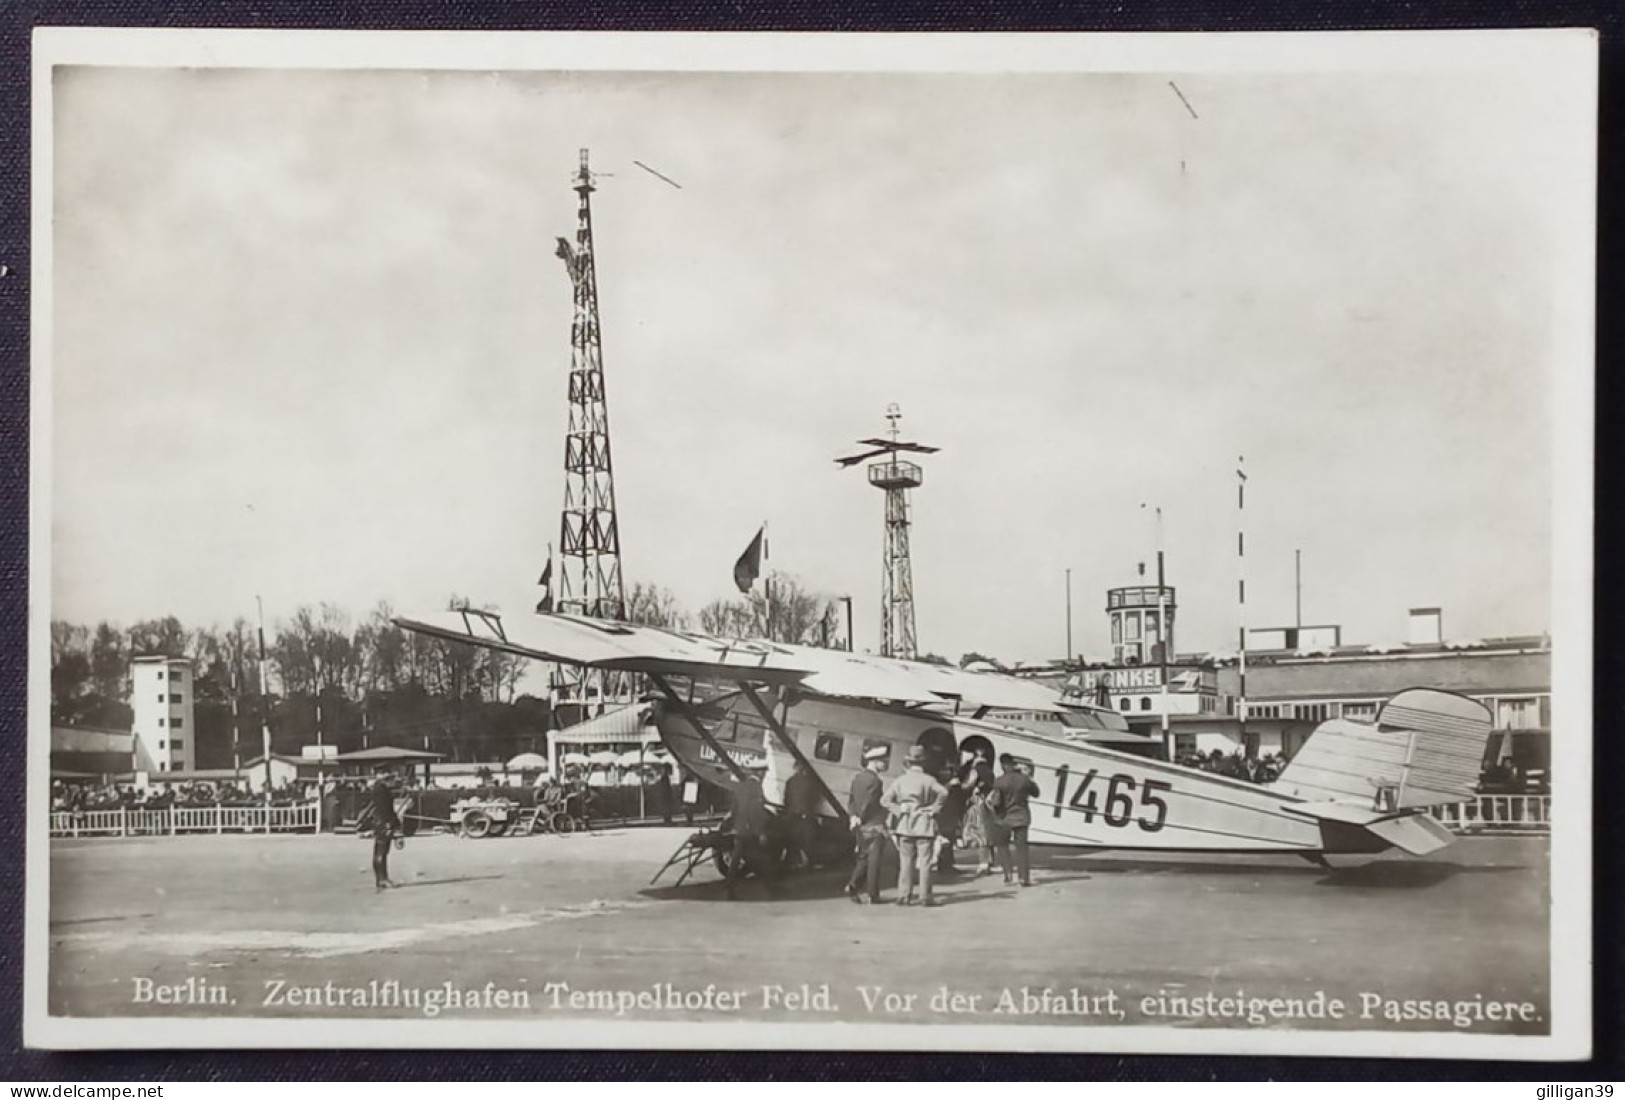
(1498, 813)
(1488, 813)
(201, 819)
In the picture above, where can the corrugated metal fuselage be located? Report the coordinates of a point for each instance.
(1089, 797)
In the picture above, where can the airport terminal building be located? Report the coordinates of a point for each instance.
(1297, 677)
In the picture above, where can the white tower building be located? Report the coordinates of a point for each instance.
(161, 697)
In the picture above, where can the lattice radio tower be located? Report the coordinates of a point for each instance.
(896, 477)
(589, 537)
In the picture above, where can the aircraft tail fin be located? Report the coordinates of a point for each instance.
(1424, 748)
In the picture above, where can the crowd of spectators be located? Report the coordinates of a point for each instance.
(1235, 765)
(79, 798)
(1502, 778)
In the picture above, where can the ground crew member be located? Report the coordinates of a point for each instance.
(915, 799)
(801, 800)
(867, 816)
(386, 825)
(748, 822)
(1012, 817)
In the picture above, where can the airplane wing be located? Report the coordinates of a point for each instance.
(862, 676)
(597, 643)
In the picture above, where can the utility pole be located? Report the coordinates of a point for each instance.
(265, 713)
(1297, 577)
(321, 762)
(1164, 641)
(1241, 599)
(236, 728)
(1069, 616)
(848, 601)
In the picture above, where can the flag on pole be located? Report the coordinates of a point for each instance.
(749, 565)
(545, 605)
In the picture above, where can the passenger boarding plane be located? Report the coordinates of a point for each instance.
(1354, 787)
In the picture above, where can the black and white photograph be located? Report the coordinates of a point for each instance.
(909, 542)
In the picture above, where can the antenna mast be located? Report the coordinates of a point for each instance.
(589, 536)
(895, 477)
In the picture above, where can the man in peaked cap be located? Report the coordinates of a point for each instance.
(386, 826)
(867, 816)
(915, 799)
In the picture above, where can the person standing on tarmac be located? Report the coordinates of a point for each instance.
(749, 822)
(915, 799)
(1011, 792)
(867, 816)
(801, 798)
(386, 825)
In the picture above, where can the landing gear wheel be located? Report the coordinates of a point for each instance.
(476, 824)
(563, 823)
(723, 858)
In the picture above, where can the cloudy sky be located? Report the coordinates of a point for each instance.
(311, 340)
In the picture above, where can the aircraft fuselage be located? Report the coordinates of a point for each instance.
(1089, 796)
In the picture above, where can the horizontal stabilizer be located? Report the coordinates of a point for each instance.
(1410, 832)
(1335, 811)
(1416, 834)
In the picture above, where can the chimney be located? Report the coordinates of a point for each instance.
(1427, 626)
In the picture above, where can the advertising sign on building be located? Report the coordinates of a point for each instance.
(1146, 678)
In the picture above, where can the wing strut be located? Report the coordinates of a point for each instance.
(698, 727)
(789, 743)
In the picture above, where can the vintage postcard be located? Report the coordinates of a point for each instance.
(954, 542)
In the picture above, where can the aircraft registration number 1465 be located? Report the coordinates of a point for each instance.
(1117, 807)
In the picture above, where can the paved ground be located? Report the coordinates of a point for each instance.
(250, 925)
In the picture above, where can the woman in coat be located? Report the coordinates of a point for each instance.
(977, 830)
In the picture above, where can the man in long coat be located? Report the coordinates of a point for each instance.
(915, 799)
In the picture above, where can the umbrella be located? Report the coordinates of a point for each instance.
(604, 758)
(575, 758)
(633, 759)
(527, 761)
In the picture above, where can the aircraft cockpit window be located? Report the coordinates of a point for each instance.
(828, 747)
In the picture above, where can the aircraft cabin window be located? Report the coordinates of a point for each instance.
(872, 744)
(828, 747)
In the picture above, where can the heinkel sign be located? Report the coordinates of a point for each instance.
(1145, 678)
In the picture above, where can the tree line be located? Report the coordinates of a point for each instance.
(360, 683)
